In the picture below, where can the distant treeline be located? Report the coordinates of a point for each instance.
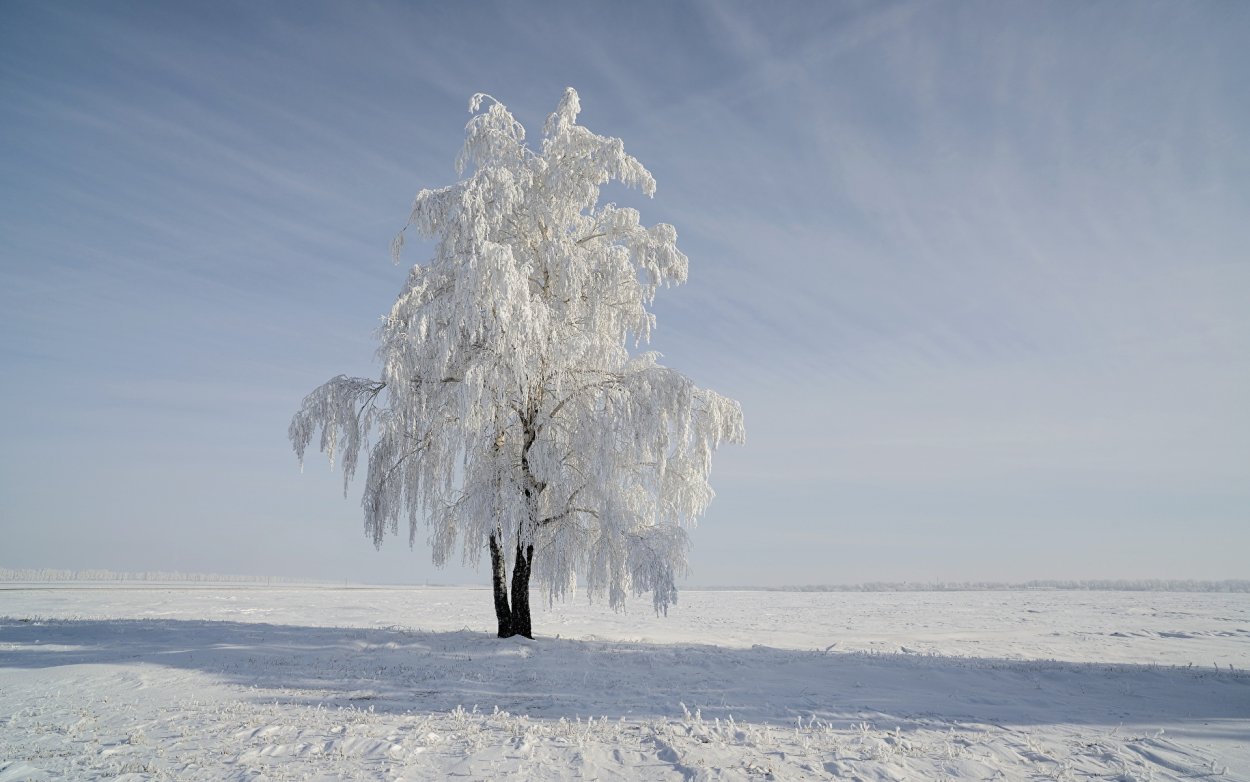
(46, 575)
(1130, 585)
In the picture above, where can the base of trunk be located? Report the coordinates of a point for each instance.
(499, 580)
(521, 591)
(513, 616)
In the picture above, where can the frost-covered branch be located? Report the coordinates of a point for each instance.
(342, 409)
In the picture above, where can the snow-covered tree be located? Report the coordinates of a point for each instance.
(510, 415)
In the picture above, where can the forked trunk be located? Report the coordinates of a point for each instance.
(513, 619)
(521, 591)
(499, 580)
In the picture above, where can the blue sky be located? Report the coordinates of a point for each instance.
(977, 271)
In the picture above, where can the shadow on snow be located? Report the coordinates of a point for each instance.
(398, 670)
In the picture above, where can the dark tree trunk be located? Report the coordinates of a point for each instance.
(499, 579)
(521, 591)
(525, 554)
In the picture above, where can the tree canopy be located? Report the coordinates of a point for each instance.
(510, 411)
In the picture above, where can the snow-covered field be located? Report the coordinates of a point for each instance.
(279, 683)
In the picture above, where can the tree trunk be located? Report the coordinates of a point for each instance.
(525, 555)
(521, 591)
(499, 579)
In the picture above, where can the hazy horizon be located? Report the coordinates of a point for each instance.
(92, 578)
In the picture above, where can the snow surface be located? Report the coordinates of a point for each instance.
(250, 683)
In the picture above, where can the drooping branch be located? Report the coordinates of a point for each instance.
(339, 409)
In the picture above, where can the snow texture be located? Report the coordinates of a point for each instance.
(509, 406)
(277, 683)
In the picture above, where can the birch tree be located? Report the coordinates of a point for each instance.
(511, 415)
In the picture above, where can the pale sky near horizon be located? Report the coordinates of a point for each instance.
(977, 271)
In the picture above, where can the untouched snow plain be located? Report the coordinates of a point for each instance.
(147, 682)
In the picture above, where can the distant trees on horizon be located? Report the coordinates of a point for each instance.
(1091, 585)
(53, 575)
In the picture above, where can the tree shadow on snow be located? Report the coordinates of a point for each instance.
(394, 670)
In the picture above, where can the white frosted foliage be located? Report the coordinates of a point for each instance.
(509, 402)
